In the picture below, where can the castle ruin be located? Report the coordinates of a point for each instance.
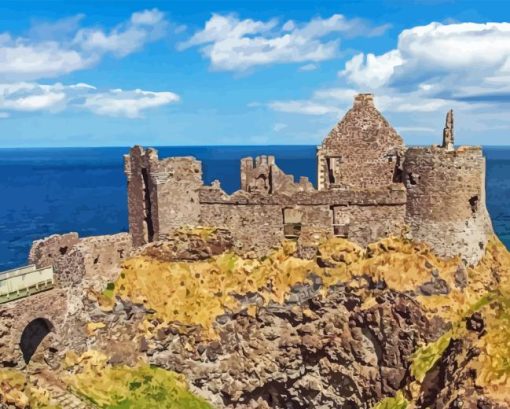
(370, 185)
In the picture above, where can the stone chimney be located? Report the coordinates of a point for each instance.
(448, 138)
(364, 100)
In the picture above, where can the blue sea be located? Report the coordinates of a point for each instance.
(58, 190)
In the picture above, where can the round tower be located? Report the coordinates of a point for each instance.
(446, 199)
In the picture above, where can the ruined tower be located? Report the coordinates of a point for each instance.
(446, 197)
(263, 176)
(162, 194)
(361, 151)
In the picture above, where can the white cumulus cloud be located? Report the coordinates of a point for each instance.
(143, 27)
(28, 97)
(21, 59)
(232, 44)
(370, 71)
(458, 61)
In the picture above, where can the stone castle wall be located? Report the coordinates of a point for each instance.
(446, 199)
(262, 175)
(258, 222)
(45, 252)
(176, 182)
(255, 228)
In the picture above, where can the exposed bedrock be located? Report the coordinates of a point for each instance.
(189, 245)
(320, 352)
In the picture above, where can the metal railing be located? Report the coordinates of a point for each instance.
(24, 281)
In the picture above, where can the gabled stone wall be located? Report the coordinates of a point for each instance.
(362, 151)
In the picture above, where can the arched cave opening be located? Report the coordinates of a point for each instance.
(33, 335)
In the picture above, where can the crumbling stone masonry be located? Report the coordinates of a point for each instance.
(162, 194)
(362, 151)
(369, 186)
(74, 258)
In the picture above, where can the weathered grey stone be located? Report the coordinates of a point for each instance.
(437, 286)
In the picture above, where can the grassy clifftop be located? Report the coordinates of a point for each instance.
(195, 293)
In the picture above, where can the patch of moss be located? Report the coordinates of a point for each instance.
(204, 232)
(12, 388)
(396, 402)
(425, 357)
(493, 363)
(141, 387)
(16, 389)
(109, 291)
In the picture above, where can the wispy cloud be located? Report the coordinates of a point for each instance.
(33, 97)
(308, 67)
(143, 27)
(54, 49)
(127, 103)
(279, 127)
(232, 44)
(303, 107)
(416, 129)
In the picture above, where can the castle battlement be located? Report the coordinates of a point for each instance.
(370, 185)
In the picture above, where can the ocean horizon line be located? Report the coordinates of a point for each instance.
(201, 146)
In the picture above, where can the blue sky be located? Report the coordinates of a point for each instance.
(99, 73)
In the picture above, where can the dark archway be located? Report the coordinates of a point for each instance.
(33, 335)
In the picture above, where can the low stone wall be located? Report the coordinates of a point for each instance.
(255, 229)
(367, 224)
(45, 252)
(189, 244)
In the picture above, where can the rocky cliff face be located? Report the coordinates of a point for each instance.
(387, 326)
(321, 352)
